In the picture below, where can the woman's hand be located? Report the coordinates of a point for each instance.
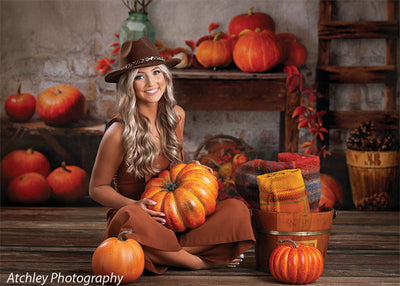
(198, 163)
(145, 203)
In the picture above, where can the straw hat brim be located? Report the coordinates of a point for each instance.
(115, 75)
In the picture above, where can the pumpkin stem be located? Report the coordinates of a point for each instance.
(29, 151)
(250, 11)
(258, 30)
(171, 186)
(57, 92)
(19, 88)
(120, 236)
(289, 240)
(64, 167)
(217, 35)
(214, 162)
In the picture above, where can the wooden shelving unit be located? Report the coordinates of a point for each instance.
(198, 89)
(386, 74)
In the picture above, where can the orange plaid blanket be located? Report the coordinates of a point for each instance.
(283, 191)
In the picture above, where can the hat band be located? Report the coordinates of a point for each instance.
(141, 61)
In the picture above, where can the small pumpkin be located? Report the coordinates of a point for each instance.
(60, 104)
(331, 192)
(215, 52)
(119, 257)
(257, 51)
(250, 21)
(29, 188)
(296, 263)
(20, 106)
(186, 194)
(294, 52)
(21, 161)
(68, 183)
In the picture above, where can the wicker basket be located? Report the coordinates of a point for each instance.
(249, 151)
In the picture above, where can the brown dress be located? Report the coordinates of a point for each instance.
(227, 231)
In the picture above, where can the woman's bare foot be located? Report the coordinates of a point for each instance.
(232, 264)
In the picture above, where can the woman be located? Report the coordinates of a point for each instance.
(143, 139)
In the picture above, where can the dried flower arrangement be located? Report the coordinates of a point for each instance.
(306, 113)
(137, 6)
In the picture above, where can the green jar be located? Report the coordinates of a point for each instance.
(135, 26)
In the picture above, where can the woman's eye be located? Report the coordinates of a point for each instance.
(156, 72)
(138, 77)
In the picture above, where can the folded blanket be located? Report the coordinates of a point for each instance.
(310, 169)
(246, 178)
(283, 191)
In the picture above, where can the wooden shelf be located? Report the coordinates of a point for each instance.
(229, 90)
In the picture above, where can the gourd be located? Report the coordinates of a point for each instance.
(250, 21)
(68, 183)
(257, 51)
(186, 194)
(21, 161)
(216, 52)
(119, 257)
(20, 106)
(296, 263)
(60, 104)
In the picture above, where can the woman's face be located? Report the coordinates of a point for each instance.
(149, 84)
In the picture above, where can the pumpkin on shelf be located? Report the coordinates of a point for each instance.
(20, 106)
(29, 188)
(68, 183)
(257, 51)
(21, 161)
(215, 52)
(250, 21)
(119, 257)
(296, 264)
(60, 104)
(186, 194)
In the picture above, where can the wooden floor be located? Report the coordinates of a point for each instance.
(364, 249)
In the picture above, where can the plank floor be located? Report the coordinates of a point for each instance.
(364, 249)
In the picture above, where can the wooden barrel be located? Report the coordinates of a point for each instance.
(304, 228)
(374, 179)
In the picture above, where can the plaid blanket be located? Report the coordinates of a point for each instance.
(246, 176)
(283, 191)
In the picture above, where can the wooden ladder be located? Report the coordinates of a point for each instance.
(387, 74)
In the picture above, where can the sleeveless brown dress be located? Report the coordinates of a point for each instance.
(227, 231)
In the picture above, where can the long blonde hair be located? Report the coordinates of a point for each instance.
(141, 152)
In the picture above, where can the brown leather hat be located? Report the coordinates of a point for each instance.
(137, 54)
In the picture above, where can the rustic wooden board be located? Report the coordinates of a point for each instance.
(363, 249)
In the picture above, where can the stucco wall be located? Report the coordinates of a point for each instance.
(48, 42)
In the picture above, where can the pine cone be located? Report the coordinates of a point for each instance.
(376, 202)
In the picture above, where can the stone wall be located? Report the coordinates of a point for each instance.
(47, 42)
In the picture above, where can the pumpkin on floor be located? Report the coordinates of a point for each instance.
(331, 192)
(119, 257)
(296, 264)
(186, 194)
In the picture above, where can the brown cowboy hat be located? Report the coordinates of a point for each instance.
(138, 54)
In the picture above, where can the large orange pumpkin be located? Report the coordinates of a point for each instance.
(257, 51)
(119, 257)
(251, 21)
(68, 183)
(331, 192)
(216, 52)
(186, 194)
(296, 264)
(20, 161)
(60, 104)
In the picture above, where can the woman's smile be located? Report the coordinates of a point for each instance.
(149, 84)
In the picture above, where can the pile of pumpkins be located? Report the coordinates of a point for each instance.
(251, 44)
(56, 105)
(29, 180)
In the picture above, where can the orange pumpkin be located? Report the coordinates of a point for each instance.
(294, 53)
(29, 188)
(186, 194)
(68, 183)
(296, 264)
(250, 21)
(257, 51)
(60, 104)
(20, 106)
(216, 52)
(19, 162)
(331, 192)
(119, 257)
